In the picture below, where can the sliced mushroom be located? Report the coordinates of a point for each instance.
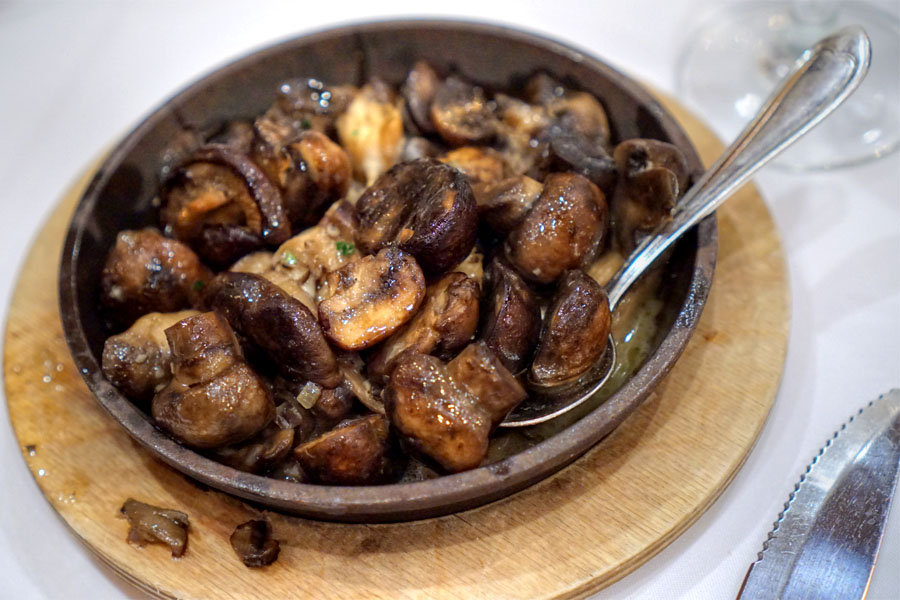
(419, 90)
(319, 250)
(481, 373)
(371, 131)
(426, 208)
(152, 524)
(511, 317)
(138, 361)
(653, 175)
(214, 398)
(563, 230)
(575, 330)
(504, 204)
(461, 113)
(311, 171)
(371, 298)
(277, 323)
(434, 414)
(354, 453)
(253, 543)
(220, 186)
(146, 272)
(445, 323)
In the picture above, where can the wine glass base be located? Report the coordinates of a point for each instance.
(733, 62)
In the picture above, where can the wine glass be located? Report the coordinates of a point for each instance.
(736, 57)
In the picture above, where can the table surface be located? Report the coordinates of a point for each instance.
(77, 75)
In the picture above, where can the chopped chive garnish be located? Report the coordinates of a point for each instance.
(346, 248)
(198, 285)
(288, 259)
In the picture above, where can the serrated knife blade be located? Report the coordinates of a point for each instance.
(825, 541)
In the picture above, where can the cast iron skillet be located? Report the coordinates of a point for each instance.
(120, 196)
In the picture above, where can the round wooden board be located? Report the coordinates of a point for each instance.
(568, 536)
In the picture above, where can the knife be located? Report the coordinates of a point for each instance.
(826, 539)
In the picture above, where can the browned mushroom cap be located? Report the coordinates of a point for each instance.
(436, 416)
(461, 114)
(302, 105)
(311, 171)
(445, 323)
(260, 452)
(575, 329)
(652, 176)
(218, 185)
(371, 298)
(480, 372)
(152, 524)
(585, 111)
(483, 166)
(512, 317)
(277, 323)
(419, 90)
(221, 245)
(355, 453)
(253, 543)
(214, 398)
(146, 272)
(426, 208)
(504, 204)
(563, 230)
(138, 361)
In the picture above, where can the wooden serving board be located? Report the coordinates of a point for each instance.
(570, 535)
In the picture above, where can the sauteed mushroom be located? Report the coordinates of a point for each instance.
(504, 204)
(311, 171)
(480, 372)
(371, 131)
(575, 329)
(483, 166)
(445, 323)
(146, 272)
(354, 453)
(371, 298)
(434, 414)
(419, 90)
(564, 229)
(461, 113)
(511, 317)
(260, 452)
(214, 398)
(653, 175)
(219, 186)
(424, 207)
(253, 543)
(152, 524)
(277, 323)
(138, 361)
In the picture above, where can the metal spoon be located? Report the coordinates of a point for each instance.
(823, 77)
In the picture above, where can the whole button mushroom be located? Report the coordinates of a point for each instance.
(481, 373)
(563, 230)
(214, 398)
(511, 320)
(652, 176)
(424, 207)
(576, 327)
(282, 326)
(371, 298)
(147, 272)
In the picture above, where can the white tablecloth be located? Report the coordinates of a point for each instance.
(74, 76)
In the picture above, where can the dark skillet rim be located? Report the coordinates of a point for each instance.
(402, 501)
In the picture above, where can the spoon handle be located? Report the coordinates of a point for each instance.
(823, 77)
